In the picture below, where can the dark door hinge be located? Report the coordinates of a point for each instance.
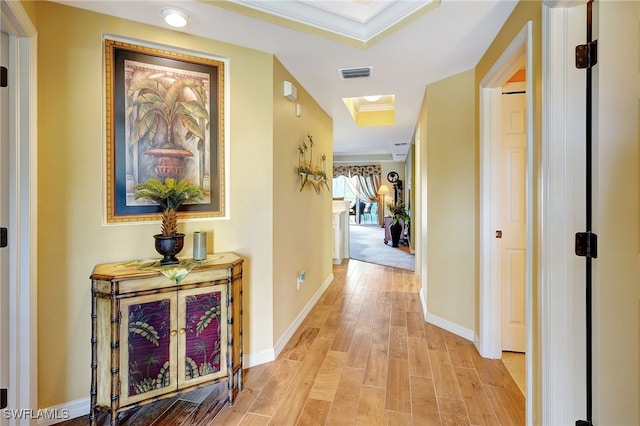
(587, 55)
(3, 77)
(587, 244)
(3, 237)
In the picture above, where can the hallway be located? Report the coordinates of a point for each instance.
(365, 356)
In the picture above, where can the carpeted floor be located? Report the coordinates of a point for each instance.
(366, 243)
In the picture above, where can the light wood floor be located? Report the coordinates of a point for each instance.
(516, 366)
(363, 356)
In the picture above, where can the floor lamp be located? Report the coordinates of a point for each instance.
(383, 190)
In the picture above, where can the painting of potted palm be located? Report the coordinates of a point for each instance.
(165, 111)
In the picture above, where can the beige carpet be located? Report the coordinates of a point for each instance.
(366, 243)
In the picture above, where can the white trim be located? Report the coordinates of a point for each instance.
(23, 377)
(447, 325)
(489, 339)
(262, 357)
(530, 179)
(286, 336)
(519, 53)
(561, 359)
(61, 412)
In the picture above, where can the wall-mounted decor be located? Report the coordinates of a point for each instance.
(164, 119)
(310, 173)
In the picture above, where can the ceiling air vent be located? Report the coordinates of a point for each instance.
(362, 72)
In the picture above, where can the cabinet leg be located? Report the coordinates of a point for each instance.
(114, 418)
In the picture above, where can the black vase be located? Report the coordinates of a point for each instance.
(169, 247)
(396, 231)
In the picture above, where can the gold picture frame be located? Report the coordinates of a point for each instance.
(165, 113)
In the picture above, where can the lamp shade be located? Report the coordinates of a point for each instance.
(383, 190)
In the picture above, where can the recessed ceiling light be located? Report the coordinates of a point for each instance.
(372, 98)
(175, 17)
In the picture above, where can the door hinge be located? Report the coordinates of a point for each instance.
(587, 244)
(3, 237)
(587, 55)
(3, 77)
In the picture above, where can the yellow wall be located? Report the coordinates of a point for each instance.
(71, 236)
(299, 215)
(448, 163)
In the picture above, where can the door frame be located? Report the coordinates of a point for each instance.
(561, 302)
(23, 359)
(519, 53)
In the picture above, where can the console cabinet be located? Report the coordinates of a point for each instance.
(154, 338)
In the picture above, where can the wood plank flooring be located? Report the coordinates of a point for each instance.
(363, 356)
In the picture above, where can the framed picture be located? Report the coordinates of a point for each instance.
(164, 119)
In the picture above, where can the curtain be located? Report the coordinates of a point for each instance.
(363, 180)
(349, 170)
(369, 187)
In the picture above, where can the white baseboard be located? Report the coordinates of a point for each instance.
(269, 355)
(251, 360)
(476, 342)
(284, 339)
(451, 327)
(64, 411)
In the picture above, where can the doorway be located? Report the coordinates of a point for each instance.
(518, 56)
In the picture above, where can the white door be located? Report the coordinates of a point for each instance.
(4, 223)
(513, 223)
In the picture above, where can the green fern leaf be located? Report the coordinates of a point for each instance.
(206, 318)
(145, 330)
(190, 368)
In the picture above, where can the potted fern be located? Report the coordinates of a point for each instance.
(170, 195)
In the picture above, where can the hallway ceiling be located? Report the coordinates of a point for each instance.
(407, 43)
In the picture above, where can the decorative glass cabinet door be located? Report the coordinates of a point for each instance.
(148, 346)
(202, 323)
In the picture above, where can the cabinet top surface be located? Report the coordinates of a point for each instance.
(124, 271)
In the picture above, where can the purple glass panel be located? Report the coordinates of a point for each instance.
(203, 334)
(149, 325)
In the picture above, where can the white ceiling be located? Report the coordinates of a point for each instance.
(440, 39)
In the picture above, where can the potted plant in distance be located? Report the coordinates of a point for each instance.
(170, 195)
(399, 218)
